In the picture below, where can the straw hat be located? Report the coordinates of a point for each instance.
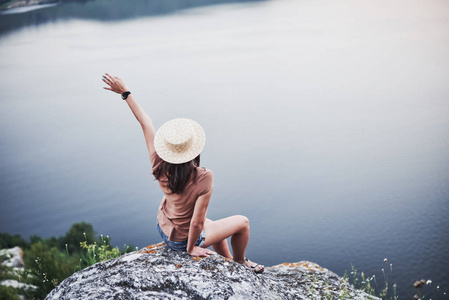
(179, 140)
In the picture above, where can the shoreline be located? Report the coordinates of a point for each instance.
(24, 9)
(26, 4)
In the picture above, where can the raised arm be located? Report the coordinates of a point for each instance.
(117, 85)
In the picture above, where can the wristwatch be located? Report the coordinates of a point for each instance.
(125, 95)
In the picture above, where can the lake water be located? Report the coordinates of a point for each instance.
(327, 124)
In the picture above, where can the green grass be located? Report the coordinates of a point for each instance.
(385, 287)
(50, 261)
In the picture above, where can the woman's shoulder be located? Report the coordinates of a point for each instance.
(202, 171)
(204, 175)
(204, 180)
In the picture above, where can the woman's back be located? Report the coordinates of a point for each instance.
(176, 210)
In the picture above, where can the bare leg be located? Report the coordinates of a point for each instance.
(221, 247)
(236, 227)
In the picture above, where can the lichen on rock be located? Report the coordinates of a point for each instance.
(157, 272)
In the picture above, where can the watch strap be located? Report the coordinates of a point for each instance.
(125, 95)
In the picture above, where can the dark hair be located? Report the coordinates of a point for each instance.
(178, 175)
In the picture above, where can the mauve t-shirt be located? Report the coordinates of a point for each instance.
(176, 210)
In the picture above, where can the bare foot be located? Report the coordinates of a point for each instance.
(253, 266)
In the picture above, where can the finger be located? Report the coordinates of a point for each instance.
(107, 80)
(106, 88)
(109, 77)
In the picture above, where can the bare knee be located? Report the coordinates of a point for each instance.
(243, 222)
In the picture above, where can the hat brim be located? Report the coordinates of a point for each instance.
(197, 146)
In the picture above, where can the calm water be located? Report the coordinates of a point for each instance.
(327, 125)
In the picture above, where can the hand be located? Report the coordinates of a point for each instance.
(115, 84)
(201, 252)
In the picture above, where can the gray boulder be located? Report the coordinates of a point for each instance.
(13, 266)
(157, 272)
(14, 257)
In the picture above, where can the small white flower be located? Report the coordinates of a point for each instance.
(385, 260)
(429, 282)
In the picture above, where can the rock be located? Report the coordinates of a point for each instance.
(157, 272)
(14, 257)
(17, 285)
(14, 265)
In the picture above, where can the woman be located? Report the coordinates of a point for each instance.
(175, 157)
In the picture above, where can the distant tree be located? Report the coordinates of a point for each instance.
(49, 261)
(35, 238)
(50, 265)
(10, 241)
(79, 232)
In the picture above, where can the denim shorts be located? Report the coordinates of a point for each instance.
(180, 246)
